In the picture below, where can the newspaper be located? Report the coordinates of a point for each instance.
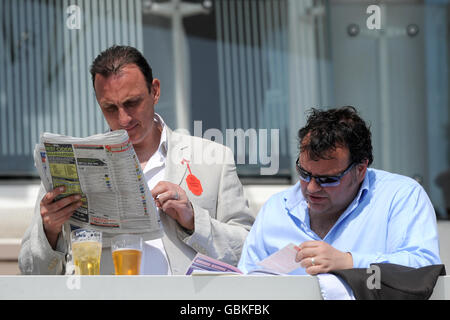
(281, 262)
(105, 170)
(203, 265)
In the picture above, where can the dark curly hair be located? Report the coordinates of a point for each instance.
(112, 60)
(327, 129)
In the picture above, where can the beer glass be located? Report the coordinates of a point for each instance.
(127, 254)
(86, 251)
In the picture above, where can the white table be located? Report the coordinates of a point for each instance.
(230, 287)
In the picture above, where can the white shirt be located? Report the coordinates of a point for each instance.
(154, 258)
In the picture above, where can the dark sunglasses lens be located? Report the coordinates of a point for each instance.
(329, 181)
(304, 176)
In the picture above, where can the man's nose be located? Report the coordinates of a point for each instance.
(313, 186)
(124, 117)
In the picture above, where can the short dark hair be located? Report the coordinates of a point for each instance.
(112, 60)
(328, 129)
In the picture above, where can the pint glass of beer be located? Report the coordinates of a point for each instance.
(86, 251)
(127, 254)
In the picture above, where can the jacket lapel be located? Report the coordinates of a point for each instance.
(178, 149)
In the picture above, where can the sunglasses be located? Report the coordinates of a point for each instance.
(323, 181)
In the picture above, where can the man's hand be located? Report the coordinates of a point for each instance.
(320, 257)
(54, 214)
(172, 199)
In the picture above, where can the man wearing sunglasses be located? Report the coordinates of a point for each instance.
(341, 214)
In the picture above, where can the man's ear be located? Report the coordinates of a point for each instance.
(155, 90)
(361, 169)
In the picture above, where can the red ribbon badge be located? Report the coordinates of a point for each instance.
(192, 181)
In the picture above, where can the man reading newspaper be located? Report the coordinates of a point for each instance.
(105, 171)
(202, 207)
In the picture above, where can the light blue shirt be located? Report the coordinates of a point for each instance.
(391, 220)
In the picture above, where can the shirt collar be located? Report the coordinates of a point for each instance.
(294, 196)
(162, 148)
(364, 189)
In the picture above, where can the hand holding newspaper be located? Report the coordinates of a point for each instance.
(105, 170)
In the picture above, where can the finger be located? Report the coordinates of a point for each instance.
(308, 262)
(162, 198)
(51, 195)
(181, 212)
(178, 210)
(312, 270)
(158, 189)
(162, 187)
(52, 218)
(305, 262)
(305, 253)
(170, 210)
(68, 211)
(64, 202)
(168, 195)
(309, 244)
(171, 204)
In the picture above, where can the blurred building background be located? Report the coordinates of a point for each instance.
(231, 64)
